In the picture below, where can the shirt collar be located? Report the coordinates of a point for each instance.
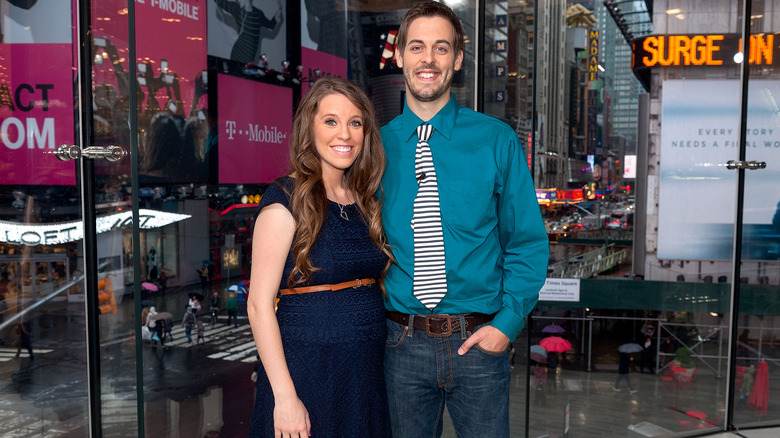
(443, 122)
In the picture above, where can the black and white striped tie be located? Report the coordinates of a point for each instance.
(430, 276)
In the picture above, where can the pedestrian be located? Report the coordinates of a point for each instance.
(24, 330)
(203, 272)
(188, 322)
(667, 348)
(159, 334)
(155, 327)
(318, 237)
(482, 213)
(646, 356)
(149, 319)
(214, 305)
(747, 382)
(201, 332)
(624, 366)
(231, 306)
(194, 303)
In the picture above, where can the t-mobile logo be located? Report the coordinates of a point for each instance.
(230, 128)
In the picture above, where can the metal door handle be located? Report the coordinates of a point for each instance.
(67, 152)
(750, 165)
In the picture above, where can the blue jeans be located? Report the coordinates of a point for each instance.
(188, 332)
(423, 374)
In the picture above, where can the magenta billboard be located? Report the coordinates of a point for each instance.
(317, 64)
(255, 121)
(36, 113)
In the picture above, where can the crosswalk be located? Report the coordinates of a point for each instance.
(232, 343)
(7, 354)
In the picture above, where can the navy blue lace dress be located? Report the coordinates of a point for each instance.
(333, 341)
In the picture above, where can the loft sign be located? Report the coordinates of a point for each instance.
(58, 233)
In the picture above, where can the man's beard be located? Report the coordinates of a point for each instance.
(432, 94)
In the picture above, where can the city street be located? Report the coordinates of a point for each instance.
(205, 390)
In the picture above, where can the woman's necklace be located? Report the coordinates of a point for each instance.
(342, 213)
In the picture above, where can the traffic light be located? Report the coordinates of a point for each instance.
(106, 300)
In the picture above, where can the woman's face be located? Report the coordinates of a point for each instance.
(338, 133)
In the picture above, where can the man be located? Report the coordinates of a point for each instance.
(231, 305)
(454, 352)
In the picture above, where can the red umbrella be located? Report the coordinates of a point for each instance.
(759, 397)
(555, 344)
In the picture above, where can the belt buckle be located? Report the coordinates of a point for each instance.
(446, 327)
(360, 283)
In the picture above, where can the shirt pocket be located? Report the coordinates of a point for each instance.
(471, 204)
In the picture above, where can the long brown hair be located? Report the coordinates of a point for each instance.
(308, 200)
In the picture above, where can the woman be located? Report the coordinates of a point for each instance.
(318, 237)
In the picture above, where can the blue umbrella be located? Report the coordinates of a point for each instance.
(630, 348)
(538, 354)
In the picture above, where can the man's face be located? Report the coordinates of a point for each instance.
(429, 60)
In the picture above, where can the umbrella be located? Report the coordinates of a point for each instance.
(759, 397)
(538, 354)
(148, 303)
(554, 328)
(555, 344)
(238, 288)
(630, 348)
(149, 286)
(161, 315)
(197, 295)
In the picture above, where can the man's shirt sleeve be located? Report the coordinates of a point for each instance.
(523, 241)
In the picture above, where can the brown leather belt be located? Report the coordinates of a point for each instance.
(323, 287)
(441, 325)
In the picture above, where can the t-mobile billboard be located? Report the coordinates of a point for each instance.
(36, 113)
(255, 121)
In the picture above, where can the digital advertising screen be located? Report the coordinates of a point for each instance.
(697, 192)
(36, 92)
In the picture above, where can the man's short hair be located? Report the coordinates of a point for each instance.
(431, 9)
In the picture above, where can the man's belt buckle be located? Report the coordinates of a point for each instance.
(438, 326)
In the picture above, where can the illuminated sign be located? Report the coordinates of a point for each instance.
(629, 171)
(592, 99)
(690, 50)
(698, 50)
(545, 196)
(593, 55)
(58, 233)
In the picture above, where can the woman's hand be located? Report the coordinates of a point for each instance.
(291, 419)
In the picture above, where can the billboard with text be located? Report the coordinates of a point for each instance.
(255, 121)
(697, 192)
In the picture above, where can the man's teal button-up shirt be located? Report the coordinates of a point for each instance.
(496, 246)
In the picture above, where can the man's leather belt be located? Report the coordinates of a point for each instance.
(441, 325)
(323, 287)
